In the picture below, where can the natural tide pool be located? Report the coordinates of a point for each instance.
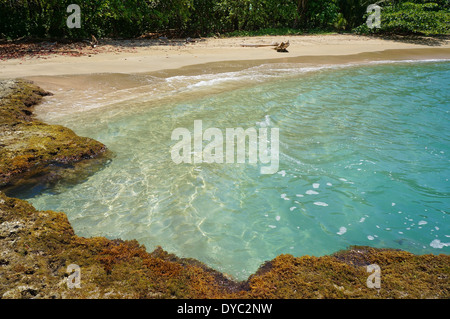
(364, 160)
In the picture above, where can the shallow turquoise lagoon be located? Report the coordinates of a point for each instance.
(364, 160)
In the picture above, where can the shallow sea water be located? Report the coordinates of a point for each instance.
(364, 160)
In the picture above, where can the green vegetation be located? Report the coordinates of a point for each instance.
(131, 18)
(413, 17)
(274, 32)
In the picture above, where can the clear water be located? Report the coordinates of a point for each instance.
(364, 160)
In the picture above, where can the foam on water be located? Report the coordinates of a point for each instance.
(321, 204)
(342, 230)
(363, 161)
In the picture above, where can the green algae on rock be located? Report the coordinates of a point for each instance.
(29, 146)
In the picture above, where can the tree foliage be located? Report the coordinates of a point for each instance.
(129, 18)
(413, 17)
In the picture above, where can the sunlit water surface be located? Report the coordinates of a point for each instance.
(364, 160)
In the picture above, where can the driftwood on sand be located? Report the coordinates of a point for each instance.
(94, 41)
(280, 47)
(274, 44)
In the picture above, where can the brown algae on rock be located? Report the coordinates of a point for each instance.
(38, 246)
(27, 145)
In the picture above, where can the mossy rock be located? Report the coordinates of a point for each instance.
(38, 246)
(29, 146)
(345, 275)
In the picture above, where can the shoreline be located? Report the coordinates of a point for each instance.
(104, 87)
(140, 56)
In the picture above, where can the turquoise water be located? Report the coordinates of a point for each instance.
(364, 160)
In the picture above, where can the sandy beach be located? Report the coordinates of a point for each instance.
(135, 56)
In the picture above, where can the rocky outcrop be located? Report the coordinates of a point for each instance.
(36, 248)
(345, 275)
(29, 147)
